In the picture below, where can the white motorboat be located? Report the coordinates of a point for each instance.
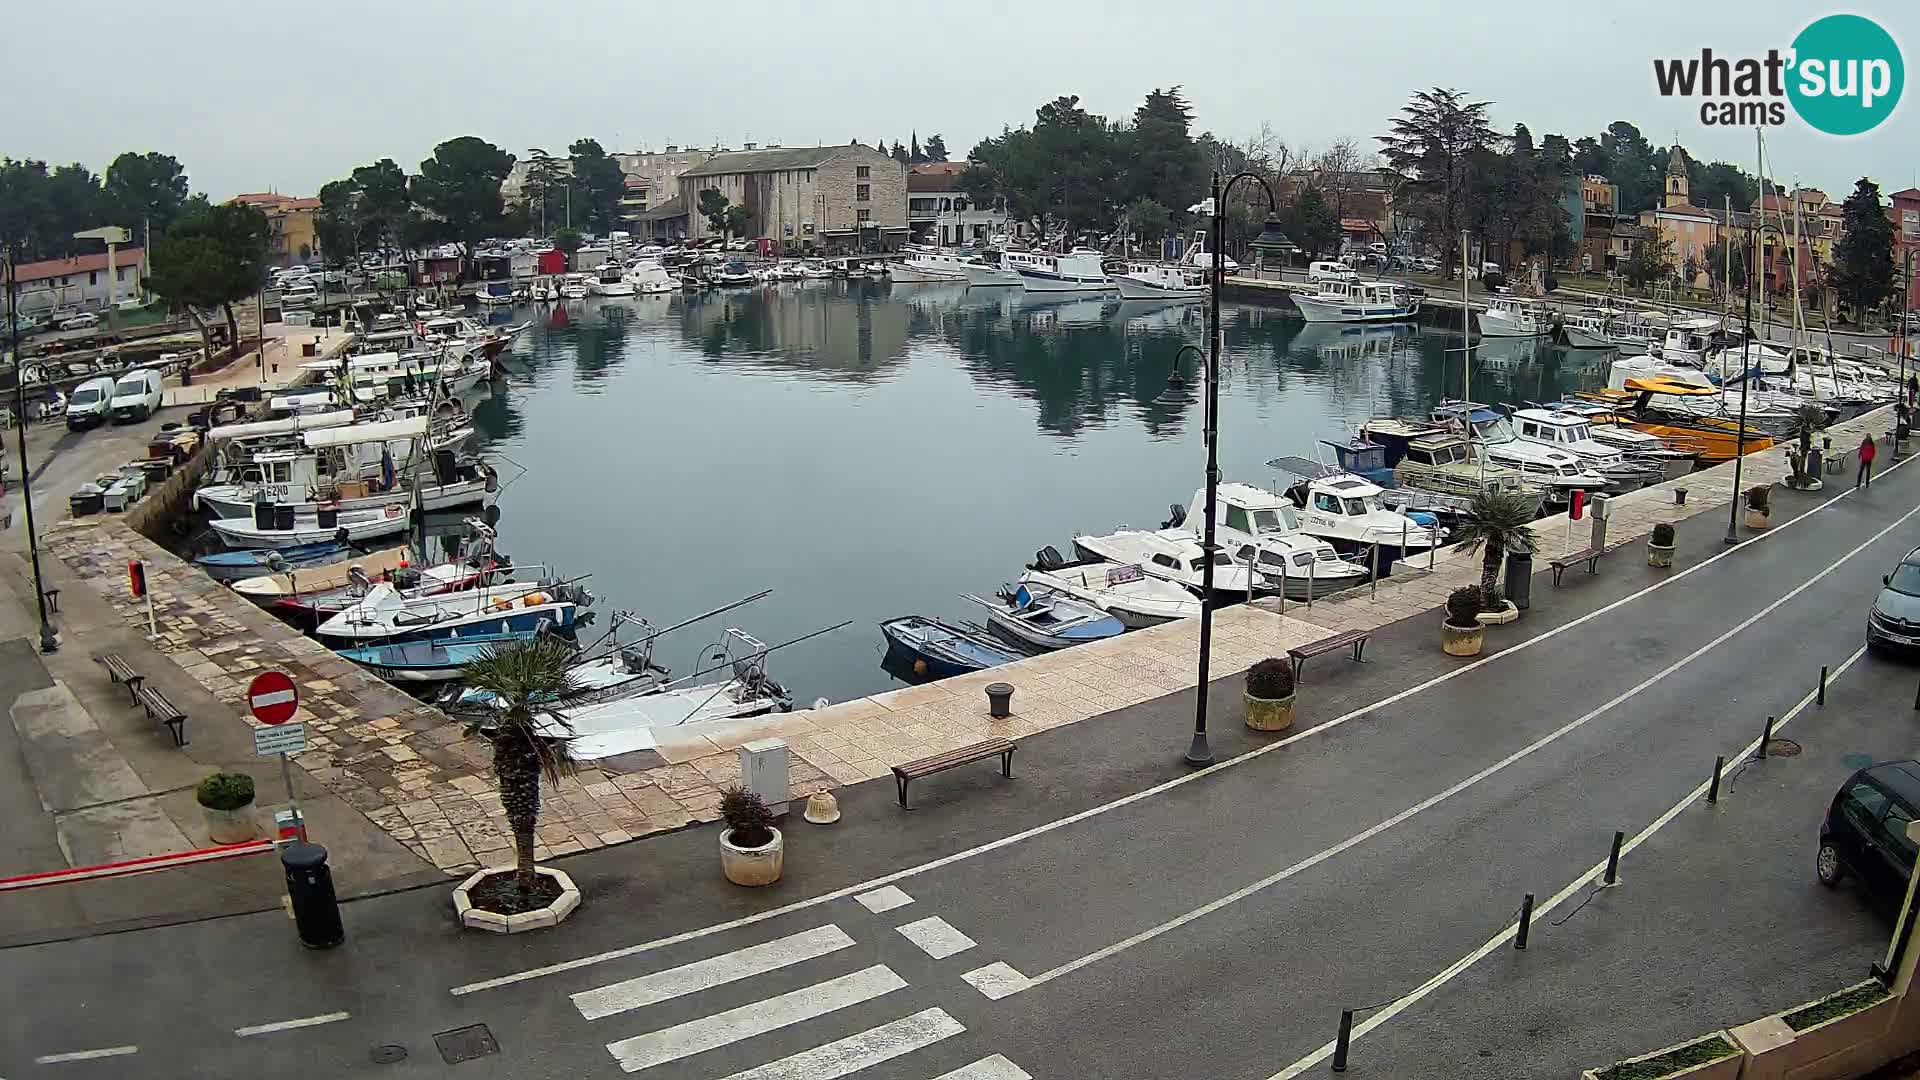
(612, 281)
(1688, 341)
(363, 467)
(1260, 529)
(385, 612)
(1078, 271)
(927, 266)
(650, 278)
(544, 292)
(1634, 329)
(288, 529)
(574, 287)
(1346, 511)
(1508, 317)
(1170, 555)
(1564, 431)
(983, 272)
(1586, 330)
(1604, 427)
(815, 270)
(1351, 301)
(1553, 470)
(1158, 281)
(1122, 590)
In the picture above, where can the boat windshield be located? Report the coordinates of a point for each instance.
(1575, 433)
(1219, 559)
(1495, 431)
(1361, 506)
(1906, 579)
(1276, 519)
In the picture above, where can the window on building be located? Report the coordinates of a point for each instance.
(862, 172)
(93, 277)
(862, 192)
(806, 176)
(864, 215)
(120, 273)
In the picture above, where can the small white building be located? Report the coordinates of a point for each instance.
(81, 283)
(938, 212)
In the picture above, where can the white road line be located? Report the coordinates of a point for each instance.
(856, 1052)
(885, 899)
(721, 1029)
(996, 980)
(987, 1068)
(289, 1025)
(1540, 911)
(1128, 800)
(1433, 800)
(713, 971)
(86, 1055)
(936, 937)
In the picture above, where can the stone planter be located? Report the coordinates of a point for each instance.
(539, 919)
(1722, 1068)
(1659, 555)
(752, 866)
(1269, 714)
(230, 826)
(1842, 1046)
(1505, 615)
(1758, 520)
(1461, 640)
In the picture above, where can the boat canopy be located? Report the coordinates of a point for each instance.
(411, 427)
(1663, 385)
(286, 426)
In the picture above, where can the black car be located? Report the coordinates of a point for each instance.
(1865, 833)
(1894, 620)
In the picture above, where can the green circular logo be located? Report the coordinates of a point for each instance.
(1846, 76)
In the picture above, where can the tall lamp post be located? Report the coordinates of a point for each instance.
(1746, 373)
(1200, 754)
(48, 642)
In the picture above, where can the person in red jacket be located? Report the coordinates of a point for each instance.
(1867, 452)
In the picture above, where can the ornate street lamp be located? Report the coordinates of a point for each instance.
(48, 641)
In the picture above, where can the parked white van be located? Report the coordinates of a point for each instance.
(1329, 271)
(298, 295)
(91, 403)
(137, 395)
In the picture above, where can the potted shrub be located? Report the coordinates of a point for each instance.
(1269, 695)
(224, 797)
(1759, 505)
(1497, 523)
(1660, 546)
(752, 851)
(1460, 632)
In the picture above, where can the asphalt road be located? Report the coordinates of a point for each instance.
(1149, 922)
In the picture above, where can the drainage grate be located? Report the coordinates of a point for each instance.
(1782, 748)
(388, 1053)
(465, 1044)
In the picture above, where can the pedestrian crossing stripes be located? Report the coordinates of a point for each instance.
(882, 899)
(856, 1052)
(987, 1068)
(720, 1029)
(716, 971)
(936, 937)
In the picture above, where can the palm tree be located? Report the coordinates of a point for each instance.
(527, 679)
(1807, 421)
(1498, 523)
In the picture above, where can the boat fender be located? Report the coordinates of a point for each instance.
(533, 599)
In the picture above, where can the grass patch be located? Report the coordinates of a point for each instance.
(1685, 1057)
(1851, 1001)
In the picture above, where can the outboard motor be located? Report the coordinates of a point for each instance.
(404, 577)
(263, 515)
(327, 517)
(1176, 516)
(1047, 558)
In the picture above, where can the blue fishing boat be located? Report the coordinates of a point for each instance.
(429, 661)
(943, 649)
(253, 562)
(1044, 619)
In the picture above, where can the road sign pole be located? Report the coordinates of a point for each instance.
(293, 800)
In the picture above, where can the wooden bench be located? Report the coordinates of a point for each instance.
(1300, 654)
(953, 759)
(1590, 556)
(120, 671)
(159, 708)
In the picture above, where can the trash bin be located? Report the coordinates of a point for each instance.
(316, 912)
(1519, 585)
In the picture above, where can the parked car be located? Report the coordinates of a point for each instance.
(86, 320)
(1329, 271)
(137, 395)
(1893, 622)
(91, 403)
(298, 295)
(1866, 830)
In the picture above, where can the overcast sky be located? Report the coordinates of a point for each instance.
(286, 96)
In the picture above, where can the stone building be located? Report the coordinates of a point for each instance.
(290, 233)
(82, 283)
(819, 198)
(1686, 230)
(938, 212)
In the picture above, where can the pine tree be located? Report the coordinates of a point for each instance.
(1863, 259)
(914, 156)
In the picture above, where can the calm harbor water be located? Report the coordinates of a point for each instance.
(869, 450)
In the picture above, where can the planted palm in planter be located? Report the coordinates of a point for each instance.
(1498, 522)
(1660, 546)
(528, 680)
(1759, 505)
(752, 851)
(1807, 421)
(1269, 695)
(225, 797)
(1460, 632)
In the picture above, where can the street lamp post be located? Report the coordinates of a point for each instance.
(1199, 753)
(1746, 373)
(48, 642)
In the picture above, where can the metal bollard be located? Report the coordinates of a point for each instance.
(1766, 736)
(1713, 790)
(1283, 591)
(1821, 700)
(1916, 698)
(1613, 862)
(1310, 583)
(1526, 923)
(1373, 579)
(1342, 1040)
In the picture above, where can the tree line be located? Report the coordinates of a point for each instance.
(41, 207)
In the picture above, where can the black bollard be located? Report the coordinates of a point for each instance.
(1821, 701)
(1766, 736)
(1916, 699)
(1340, 1042)
(1526, 923)
(1713, 792)
(316, 913)
(1613, 862)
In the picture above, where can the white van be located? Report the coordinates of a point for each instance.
(298, 295)
(91, 403)
(137, 395)
(1329, 271)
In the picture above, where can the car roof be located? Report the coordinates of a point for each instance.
(1900, 777)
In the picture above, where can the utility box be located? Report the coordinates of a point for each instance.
(763, 771)
(1602, 510)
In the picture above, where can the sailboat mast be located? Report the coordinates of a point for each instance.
(1466, 332)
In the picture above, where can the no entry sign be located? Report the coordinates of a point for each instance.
(272, 697)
